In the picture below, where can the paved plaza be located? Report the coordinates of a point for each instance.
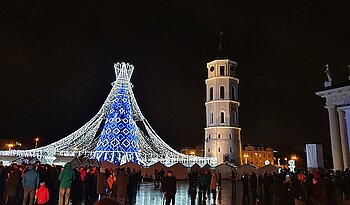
(150, 195)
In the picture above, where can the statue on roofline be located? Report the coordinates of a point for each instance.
(328, 82)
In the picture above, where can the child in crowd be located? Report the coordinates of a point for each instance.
(42, 194)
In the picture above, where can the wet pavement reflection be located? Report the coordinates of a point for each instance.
(150, 195)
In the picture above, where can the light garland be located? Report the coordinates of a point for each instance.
(142, 146)
(118, 142)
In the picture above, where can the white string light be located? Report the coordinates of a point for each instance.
(83, 141)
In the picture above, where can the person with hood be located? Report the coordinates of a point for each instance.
(30, 184)
(42, 194)
(66, 178)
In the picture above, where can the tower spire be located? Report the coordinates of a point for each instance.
(221, 42)
(221, 52)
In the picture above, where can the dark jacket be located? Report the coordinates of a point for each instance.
(319, 194)
(122, 184)
(66, 177)
(279, 192)
(11, 186)
(169, 186)
(253, 181)
(204, 180)
(245, 182)
(31, 178)
(101, 183)
(299, 190)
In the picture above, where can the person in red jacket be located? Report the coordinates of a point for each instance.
(42, 194)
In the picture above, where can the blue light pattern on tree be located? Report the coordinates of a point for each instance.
(118, 142)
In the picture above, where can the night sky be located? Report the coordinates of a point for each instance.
(56, 65)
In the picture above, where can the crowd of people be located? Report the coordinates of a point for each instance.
(46, 184)
(205, 183)
(326, 188)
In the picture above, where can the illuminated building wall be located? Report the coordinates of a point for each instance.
(257, 155)
(194, 151)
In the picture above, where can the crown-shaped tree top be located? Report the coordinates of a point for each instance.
(123, 71)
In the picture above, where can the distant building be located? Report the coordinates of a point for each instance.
(257, 155)
(6, 144)
(194, 151)
(200, 150)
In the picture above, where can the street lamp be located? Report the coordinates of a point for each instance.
(36, 142)
(246, 158)
(10, 146)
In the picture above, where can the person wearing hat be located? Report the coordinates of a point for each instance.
(30, 184)
(169, 188)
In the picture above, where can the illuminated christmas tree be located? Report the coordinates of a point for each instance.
(118, 142)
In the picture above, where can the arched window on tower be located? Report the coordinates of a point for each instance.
(222, 70)
(222, 92)
(211, 118)
(232, 70)
(219, 136)
(231, 149)
(222, 117)
(233, 93)
(219, 149)
(211, 93)
(234, 116)
(230, 136)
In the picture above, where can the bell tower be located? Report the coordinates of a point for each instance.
(222, 132)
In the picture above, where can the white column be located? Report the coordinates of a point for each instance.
(335, 138)
(345, 137)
